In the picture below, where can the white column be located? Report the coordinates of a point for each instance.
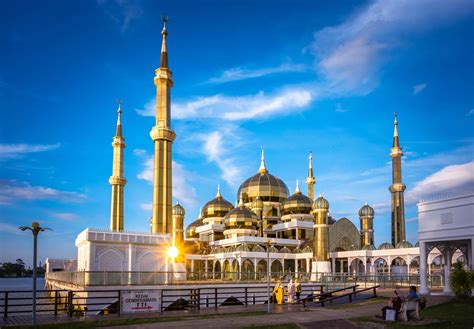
(192, 266)
(333, 264)
(296, 268)
(255, 268)
(447, 270)
(308, 270)
(423, 282)
(341, 266)
(471, 252)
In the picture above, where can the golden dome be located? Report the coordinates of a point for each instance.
(297, 203)
(263, 185)
(321, 203)
(217, 207)
(241, 217)
(178, 210)
(191, 229)
(366, 211)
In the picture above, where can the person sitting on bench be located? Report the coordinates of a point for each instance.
(394, 304)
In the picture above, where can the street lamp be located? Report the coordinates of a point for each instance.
(267, 244)
(35, 229)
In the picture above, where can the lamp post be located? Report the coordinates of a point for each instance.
(35, 229)
(267, 244)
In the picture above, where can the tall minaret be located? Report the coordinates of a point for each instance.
(117, 180)
(397, 188)
(163, 137)
(310, 179)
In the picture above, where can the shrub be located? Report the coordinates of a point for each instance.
(462, 281)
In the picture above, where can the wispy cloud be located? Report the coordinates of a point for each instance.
(122, 12)
(9, 228)
(471, 112)
(236, 108)
(239, 73)
(453, 178)
(16, 151)
(67, 216)
(339, 108)
(12, 191)
(419, 88)
(182, 186)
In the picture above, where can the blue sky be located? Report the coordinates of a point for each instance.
(290, 76)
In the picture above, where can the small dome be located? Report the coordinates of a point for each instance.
(369, 247)
(241, 217)
(366, 211)
(178, 210)
(404, 244)
(297, 203)
(191, 229)
(320, 203)
(217, 207)
(417, 244)
(385, 246)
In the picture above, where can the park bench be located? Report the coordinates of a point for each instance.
(409, 306)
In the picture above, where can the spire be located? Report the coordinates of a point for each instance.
(262, 168)
(201, 215)
(310, 179)
(241, 201)
(164, 50)
(297, 189)
(395, 132)
(118, 130)
(218, 195)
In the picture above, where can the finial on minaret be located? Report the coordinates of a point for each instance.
(262, 168)
(396, 142)
(201, 215)
(310, 160)
(118, 131)
(310, 179)
(241, 201)
(164, 50)
(297, 189)
(218, 195)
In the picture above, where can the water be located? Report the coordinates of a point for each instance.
(20, 284)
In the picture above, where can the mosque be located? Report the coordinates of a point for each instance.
(296, 229)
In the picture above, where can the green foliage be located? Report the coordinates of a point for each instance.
(462, 281)
(18, 269)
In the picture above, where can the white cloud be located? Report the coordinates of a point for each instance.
(419, 88)
(16, 151)
(182, 185)
(146, 206)
(9, 228)
(471, 112)
(122, 12)
(67, 216)
(11, 191)
(350, 56)
(238, 73)
(235, 108)
(339, 108)
(453, 178)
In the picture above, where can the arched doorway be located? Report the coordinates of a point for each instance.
(357, 267)
(226, 268)
(276, 269)
(261, 269)
(399, 267)
(247, 270)
(381, 266)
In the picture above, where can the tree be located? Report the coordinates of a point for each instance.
(462, 281)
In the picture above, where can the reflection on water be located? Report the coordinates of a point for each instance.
(20, 284)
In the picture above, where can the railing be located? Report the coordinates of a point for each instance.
(21, 302)
(86, 278)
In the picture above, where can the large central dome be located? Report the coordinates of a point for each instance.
(263, 185)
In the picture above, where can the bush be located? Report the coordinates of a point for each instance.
(462, 281)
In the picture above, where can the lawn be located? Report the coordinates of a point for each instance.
(275, 326)
(453, 314)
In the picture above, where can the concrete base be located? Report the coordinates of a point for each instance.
(319, 268)
(181, 269)
(424, 291)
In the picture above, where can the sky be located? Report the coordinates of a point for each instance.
(289, 76)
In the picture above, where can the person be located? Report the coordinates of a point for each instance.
(297, 290)
(412, 293)
(398, 292)
(278, 293)
(395, 303)
(291, 292)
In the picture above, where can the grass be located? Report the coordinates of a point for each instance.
(274, 326)
(453, 314)
(132, 321)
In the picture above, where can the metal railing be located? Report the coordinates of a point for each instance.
(108, 278)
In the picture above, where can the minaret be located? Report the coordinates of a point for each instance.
(163, 137)
(320, 211)
(397, 188)
(117, 180)
(177, 235)
(366, 217)
(310, 179)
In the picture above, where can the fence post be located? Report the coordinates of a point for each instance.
(162, 302)
(246, 296)
(5, 306)
(199, 299)
(55, 302)
(253, 298)
(215, 297)
(70, 309)
(119, 302)
(207, 301)
(375, 291)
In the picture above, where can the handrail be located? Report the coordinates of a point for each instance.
(350, 294)
(322, 294)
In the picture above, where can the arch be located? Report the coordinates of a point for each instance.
(258, 248)
(226, 269)
(399, 261)
(248, 270)
(357, 266)
(399, 266)
(276, 268)
(273, 249)
(458, 256)
(111, 260)
(261, 269)
(285, 250)
(343, 235)
(242, 247)
(217, 267)
(307, 249)
(381, 266)
(148, 262)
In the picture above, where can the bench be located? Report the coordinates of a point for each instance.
(409, 306)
